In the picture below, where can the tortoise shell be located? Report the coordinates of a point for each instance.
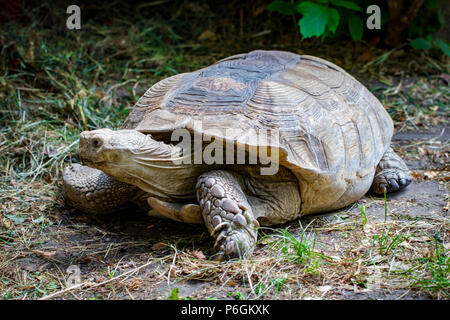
(332, 130)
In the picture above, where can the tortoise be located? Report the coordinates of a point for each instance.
(332, 147)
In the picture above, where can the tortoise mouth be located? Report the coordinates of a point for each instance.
(92, 163)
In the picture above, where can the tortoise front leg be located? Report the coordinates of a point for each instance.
(93, 191)
(227, 214)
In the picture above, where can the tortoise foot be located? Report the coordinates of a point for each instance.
(391, 174)
(92, 191)
(391, 180)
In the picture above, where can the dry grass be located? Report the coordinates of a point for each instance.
(360, 258)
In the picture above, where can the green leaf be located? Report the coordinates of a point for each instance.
(346, 4)
(305, 6)
(356, 27)
(444, 46)
(333, 19)
(314, 20)
(421, 43)
(282, 7)
(174, 294)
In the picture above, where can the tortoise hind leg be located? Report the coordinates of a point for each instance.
(391, 174)
(187, 213)
(93, 191)
(227, 214)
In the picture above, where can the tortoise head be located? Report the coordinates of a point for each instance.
(129, 156)
(103, 146)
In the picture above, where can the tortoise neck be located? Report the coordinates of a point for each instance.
(163, 170)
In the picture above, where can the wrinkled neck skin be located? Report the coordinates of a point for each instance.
(154, 169)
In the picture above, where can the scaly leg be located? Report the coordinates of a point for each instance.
(227, 214)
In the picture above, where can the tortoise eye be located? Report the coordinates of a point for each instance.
(96, 143)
